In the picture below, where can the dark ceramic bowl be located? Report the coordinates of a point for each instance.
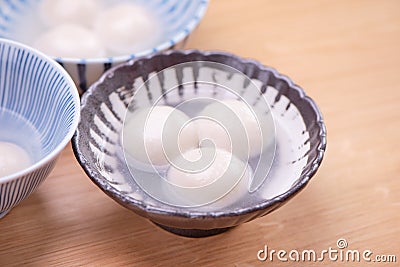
(300, 138)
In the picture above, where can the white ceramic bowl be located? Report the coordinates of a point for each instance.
(39, 111)
(19, 22)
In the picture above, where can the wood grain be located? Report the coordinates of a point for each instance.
(345, 54)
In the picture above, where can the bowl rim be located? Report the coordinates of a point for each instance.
(125, 200)
(74, 92)
(162, 45)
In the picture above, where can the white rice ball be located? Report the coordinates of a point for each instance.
(82, 12)
(206, 175)
(71, 41)
(127, 28)
(12, 159)
(155, 135)
(234, 126)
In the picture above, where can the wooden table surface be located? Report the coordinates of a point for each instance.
(346, 55)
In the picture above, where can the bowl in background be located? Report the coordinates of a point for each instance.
(39, 112)
(300, 138)
(19, 21)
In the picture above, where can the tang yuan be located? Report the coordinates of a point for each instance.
(82, 12)
(156, 135)
(234, 126)
(12, 159)
(127, 28)
(71, 41)
(206, 175)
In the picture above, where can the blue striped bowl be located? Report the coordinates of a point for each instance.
(39, 111)
(179, 18)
